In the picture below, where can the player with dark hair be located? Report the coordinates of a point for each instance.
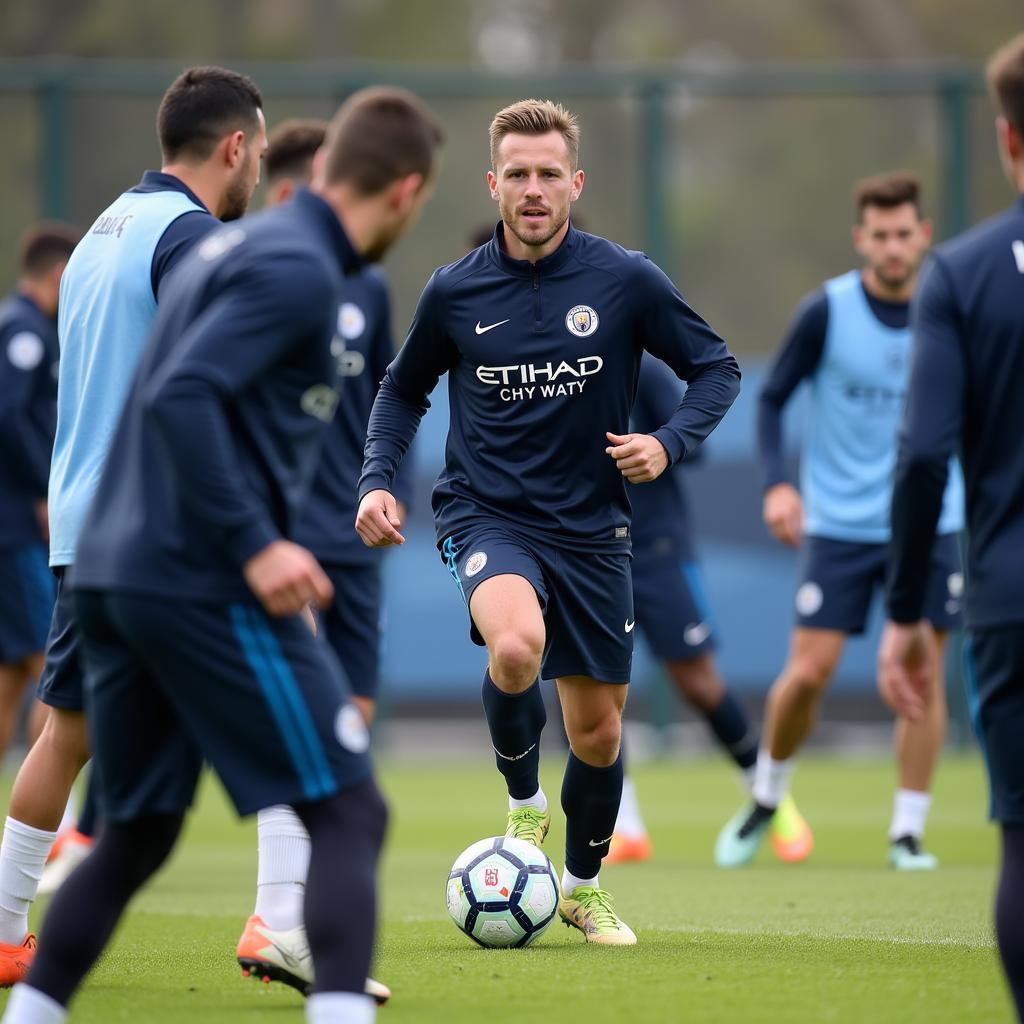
(212, 137)
(850, 340)
(189, 593)
(675, 617)
(274, 944)
(964, 395)
(28, 418)
(541, 332)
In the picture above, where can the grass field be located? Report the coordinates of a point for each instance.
(840, 938)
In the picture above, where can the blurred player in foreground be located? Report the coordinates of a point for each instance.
(541, 332)
(851, 340)
(187, 591)
(964, 396)
(212, 137)
(28, 419)
(274, 942)
(673, 613)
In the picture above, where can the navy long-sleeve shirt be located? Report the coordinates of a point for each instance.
(363, 348)
(662, 522)
(966, 383)
(222, 432)
(542, 359)
(796, 361)
(28, 415)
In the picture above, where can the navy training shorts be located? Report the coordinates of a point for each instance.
(27, 594)
(351, 624)
(672, 609)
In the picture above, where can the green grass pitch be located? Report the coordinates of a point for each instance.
(840, 938)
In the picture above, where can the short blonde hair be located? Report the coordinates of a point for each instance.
(536, 117)
(1006, 80)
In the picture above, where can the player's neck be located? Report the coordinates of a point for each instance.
(877, 288)
(517, 249)
(208, 192)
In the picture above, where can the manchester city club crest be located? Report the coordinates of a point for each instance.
(351, 321)
(582, 321)
(475, 563)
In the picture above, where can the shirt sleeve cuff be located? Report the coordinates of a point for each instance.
(374, 482)
(672, 445)
(250, 539)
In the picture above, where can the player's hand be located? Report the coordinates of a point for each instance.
(377, 520)
(640, 458)
(784, 513)
(286, 578)
(43, 518)
(906, 666)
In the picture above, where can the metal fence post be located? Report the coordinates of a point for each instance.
(956, 155)
(56, 149)
(653, 179)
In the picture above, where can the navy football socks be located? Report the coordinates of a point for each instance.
(590, 799)
(1010, 913)
(86, 823)
(515, 721)
(87, 907)
(734, 730)
(346, 833)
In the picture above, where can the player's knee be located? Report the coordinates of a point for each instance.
(597, 743)
(809, 676)
(66, 735)
(515, 660)
(698, 683)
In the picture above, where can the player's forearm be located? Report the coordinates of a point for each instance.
(769, 441)
(191, 420)
(918, 488)
(394, 420)
(708, 398)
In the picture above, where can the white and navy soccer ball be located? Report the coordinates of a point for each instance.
(502, 892)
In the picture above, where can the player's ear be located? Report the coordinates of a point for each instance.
(927, 229)
(857, 234)
(405, 191)
(234, 149)
(492, 185)
(319, 178)
(577, 186)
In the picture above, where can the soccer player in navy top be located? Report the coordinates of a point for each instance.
(188, 590)
(274, 938)
(541, 333)
(212, 137)
(28, 418)
(673, 613)
(964, 396)
(850, 341)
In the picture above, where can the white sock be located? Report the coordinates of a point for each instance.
(747, 776)
(30, 1006)
(570, 882)
(283, 864)
(771, 779)
(629, 822)
(909, 813)
(23, 854)
(538, 800)
(340, 1008)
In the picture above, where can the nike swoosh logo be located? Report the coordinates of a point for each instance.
(696, 633)
(629, 625)
(288, 958)
(489, 327)
(601, 843)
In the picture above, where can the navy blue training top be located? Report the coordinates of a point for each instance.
(363, 347)
(542, 359)
(222, 432)
(965, 396)
(662, 522)
(28, 415)
(796, 361)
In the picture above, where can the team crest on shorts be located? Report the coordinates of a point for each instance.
(809, 599)
(350, 729)
(582, 321)
(475, 563)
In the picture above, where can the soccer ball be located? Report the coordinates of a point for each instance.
(502, 892)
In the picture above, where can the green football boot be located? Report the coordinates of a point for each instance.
(741, 838)
(529, 824)
(905, 854)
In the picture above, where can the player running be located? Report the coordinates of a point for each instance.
(28, 417)
(673, 613)
(851, 341)
(187, 592)
(212, 137)
(964, 396)
(541, 333)
(274, 944)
